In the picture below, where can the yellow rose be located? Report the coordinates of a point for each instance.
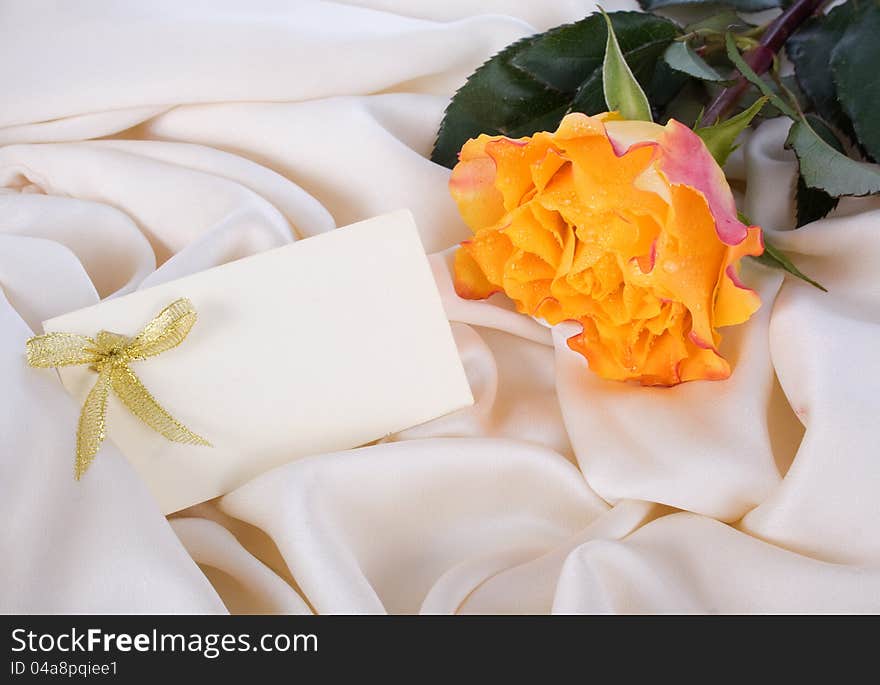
(627, 227)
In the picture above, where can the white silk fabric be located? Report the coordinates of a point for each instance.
(140, 142)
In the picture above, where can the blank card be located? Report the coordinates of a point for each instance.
(324, 344)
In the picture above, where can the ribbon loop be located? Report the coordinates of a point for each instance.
(109, 355)
(60, 349)
(167, 330)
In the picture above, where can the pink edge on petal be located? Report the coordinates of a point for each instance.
(630, 135)
(685, 160)
(545, 300)
(465, 296)
(472, 174)
(677, 372)
(650, 258)
(570, 339)
(493, 145)
(621, 148)
(699, 342)
(734, 277)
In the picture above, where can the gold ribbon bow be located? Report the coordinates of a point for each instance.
(109, 355)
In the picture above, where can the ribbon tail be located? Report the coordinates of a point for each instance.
(92, 423)
(142, 404)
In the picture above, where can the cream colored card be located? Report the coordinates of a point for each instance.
(321, 345)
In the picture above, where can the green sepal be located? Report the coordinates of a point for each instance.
(720, 138)
(622, 92)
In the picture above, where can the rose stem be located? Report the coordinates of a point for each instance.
(761, 56)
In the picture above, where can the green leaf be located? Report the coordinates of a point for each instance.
(809, 50)
(665, 84)
(812, 203)
(750, 75)
(498, 99)
(721, 137)
(567, 56)
(642, 47)
(681, 57)
(790, 83)
(530, 85)
(742, 5)
(622, 92)
(854, 64)
(825, 168)
(724, 21)
(776, 259)
(688, 104)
